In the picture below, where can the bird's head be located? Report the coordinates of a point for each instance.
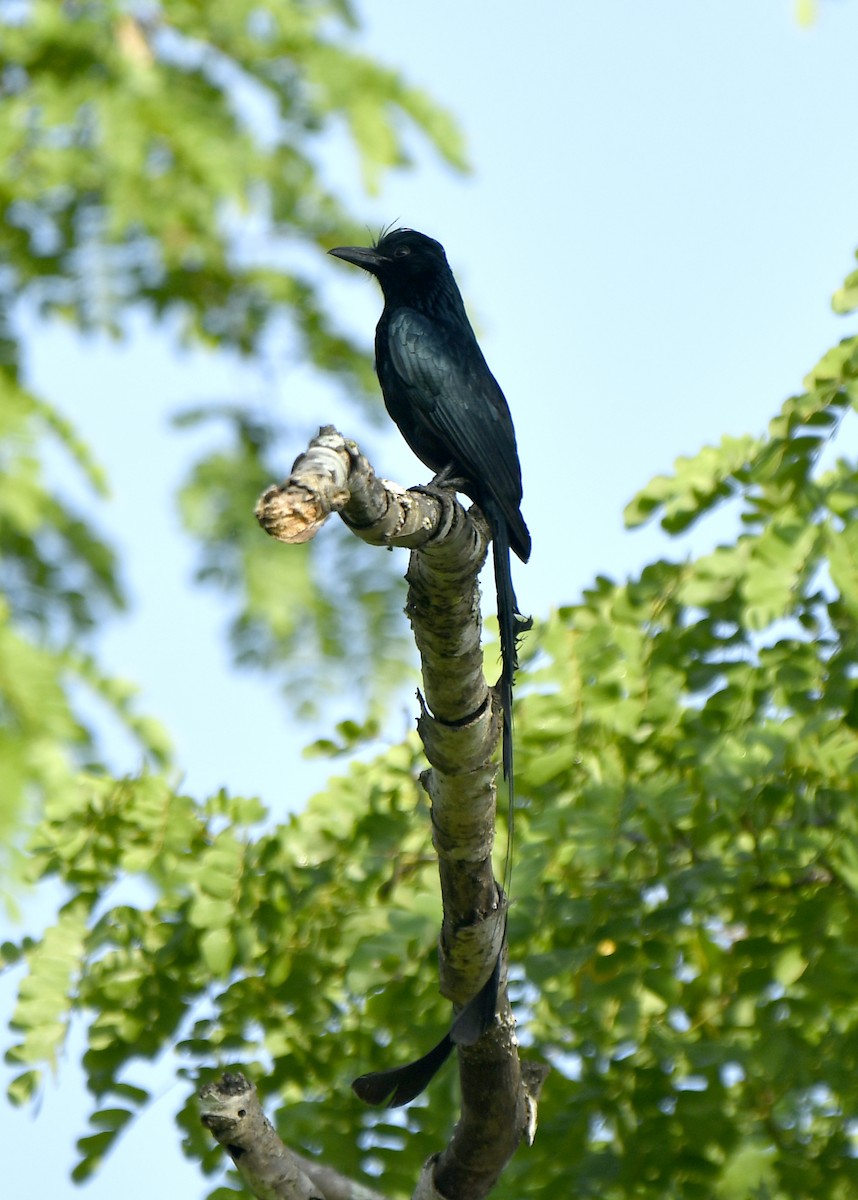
(400, 259)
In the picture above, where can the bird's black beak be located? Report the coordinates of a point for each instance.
(362, 256)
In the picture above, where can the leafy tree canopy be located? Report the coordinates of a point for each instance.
(168, 158)
(685, 927)
(687, 878)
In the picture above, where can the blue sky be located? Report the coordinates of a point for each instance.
(662, 202)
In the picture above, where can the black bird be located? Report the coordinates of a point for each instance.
(452, 413)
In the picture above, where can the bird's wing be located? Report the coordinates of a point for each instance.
(450, 386)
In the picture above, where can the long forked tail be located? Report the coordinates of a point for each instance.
(402, 1084)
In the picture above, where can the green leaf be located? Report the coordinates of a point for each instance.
(24, 1088)
(218, 950)
(211, 914)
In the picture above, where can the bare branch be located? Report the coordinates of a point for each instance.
(332, 476)
(459, 726)
(230, 1108)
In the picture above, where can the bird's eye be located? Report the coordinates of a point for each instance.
(401, 251)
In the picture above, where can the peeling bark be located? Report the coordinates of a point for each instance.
(230, 1108)
(459, 726)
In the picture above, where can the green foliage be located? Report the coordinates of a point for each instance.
(236, 946)
(133, 142)
(301, 605)
(684, 921)
(690, 756)
(57, 580)
(166, 159)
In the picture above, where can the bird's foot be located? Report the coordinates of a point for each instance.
(447, 477)
(440, 483)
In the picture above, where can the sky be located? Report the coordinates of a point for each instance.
(661, 205)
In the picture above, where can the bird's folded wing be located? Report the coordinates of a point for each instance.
(452, 388)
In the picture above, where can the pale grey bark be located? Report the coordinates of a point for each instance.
(459, 727)
(230, 1108)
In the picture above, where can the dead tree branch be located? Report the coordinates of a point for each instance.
(459, 727)
(230, 1108)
